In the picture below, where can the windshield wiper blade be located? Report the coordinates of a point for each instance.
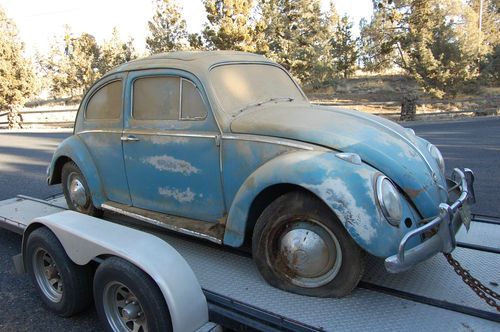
(269, 100)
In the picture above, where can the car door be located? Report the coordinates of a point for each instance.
(171, 146)
(100, 127)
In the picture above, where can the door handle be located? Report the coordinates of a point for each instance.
(129, 138)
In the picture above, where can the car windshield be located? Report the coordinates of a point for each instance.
(243, 86)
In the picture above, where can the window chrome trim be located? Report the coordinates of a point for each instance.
(196, 118)
(89, 99)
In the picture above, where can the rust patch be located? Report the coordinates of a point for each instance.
(414, 192)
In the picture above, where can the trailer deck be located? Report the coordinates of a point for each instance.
(428, 297)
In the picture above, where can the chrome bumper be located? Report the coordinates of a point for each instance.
(446, 224)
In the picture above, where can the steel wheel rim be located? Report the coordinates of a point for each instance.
(122, 308)
(47, 275)
(307, 252)
(76, 190)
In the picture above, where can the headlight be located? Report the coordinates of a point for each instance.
(389, 200)
(436, 154)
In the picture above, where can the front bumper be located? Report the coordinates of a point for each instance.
(445, 226)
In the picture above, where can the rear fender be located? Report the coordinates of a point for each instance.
(85, 238)
(345, 187)
(74, 149)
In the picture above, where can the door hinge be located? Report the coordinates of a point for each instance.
(217, 140)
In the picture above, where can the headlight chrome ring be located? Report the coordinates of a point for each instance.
(438, 157)
(389, 200)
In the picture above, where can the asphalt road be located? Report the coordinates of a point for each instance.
(473, 143)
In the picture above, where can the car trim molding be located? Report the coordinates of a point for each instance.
(272, 140)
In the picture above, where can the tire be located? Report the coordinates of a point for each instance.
(76, 191)
(65, 287)
(300, 246)
(125, 296)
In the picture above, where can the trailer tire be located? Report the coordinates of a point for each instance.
(125, 296)
(76, 191)
(300, 246)
(65, 287)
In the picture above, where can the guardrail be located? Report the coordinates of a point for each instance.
(68, 123)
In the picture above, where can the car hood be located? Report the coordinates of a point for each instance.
(383, 144)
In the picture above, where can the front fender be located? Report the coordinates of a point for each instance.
(345, 187)
(74, 149)
(85, 238)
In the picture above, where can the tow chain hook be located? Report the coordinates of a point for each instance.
(485, 293)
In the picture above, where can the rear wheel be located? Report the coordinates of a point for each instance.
(127, 299)
(76, 191)
(300, 246)
(65, 287)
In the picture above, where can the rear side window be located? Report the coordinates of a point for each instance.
(156, 98)
(106, 103)
(192, 106)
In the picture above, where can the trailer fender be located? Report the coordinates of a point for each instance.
(86, 238)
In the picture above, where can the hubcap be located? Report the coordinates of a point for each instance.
(310, 253)
(77, 192)
(123, 310)
(47, 275)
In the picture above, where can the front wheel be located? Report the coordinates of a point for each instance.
(300, 246)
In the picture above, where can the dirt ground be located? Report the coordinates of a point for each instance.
(383, 94)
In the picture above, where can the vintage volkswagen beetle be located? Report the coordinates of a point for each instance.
(225, 146)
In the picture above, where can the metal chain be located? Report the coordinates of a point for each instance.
(485, 293)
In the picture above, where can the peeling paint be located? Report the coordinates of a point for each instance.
(160, 140)
(170, 164)
(336, 192)
(185, 196)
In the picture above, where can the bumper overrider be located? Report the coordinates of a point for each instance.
(444, 226)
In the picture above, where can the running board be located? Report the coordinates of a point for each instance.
(213, 232)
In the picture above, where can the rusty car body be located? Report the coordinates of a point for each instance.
(225, 146)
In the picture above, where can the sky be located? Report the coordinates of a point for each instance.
(39, 21)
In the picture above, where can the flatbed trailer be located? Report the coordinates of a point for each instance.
(428, 297)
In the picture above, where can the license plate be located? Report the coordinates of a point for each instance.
(465, 215)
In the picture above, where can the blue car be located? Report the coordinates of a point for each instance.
(225, 146)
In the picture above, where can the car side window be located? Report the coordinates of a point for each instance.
(192, 106)
(106, 103)
(156, 98)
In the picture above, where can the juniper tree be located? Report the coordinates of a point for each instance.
(343, 50)
(167, 28)
(114, 52)
(16, 73)
(230, 25)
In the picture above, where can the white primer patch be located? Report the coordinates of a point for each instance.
(170, 164)
(160, 140)
(185, 196)
(336, 192)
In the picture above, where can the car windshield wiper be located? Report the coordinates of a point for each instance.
(269, 100)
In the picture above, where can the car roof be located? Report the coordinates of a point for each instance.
(195, 59)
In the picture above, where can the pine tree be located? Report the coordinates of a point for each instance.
(438, 42)
(73, 64)
(16, 74)
(114, 52)
(230, 25)
(343, 49)
(325, 71)
(167, 28)
(293, 32)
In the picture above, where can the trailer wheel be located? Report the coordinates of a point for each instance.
(65, 287)
(76, 191)
(127, 299)
(300, 246)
